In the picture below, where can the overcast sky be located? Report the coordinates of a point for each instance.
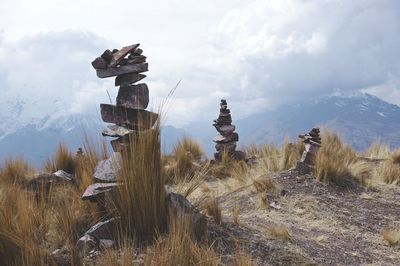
(256, 54)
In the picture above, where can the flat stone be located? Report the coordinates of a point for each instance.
(64, 176)
(115, 71)
(105, 244)
(119, 55)
(127, 79)
(133, 96)
(224, 130)
(128, 117)
(95, 191)
(234, 137)
(104, 230)
(116, 131)
(99, 63)
(107, 170)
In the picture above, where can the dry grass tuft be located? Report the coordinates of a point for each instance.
(180, 248)
(279, 232)
(387, 172)
(63, 160)
(140, 200)
(333, 158)
(391, 236)
(184, 159)
(274, 158)
(212, 209)
(15, 171)
(263, 183)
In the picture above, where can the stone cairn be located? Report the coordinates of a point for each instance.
(312, 143)
(128, 117)
(227, 138)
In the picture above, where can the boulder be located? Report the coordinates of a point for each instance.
(85, 244)
(99, 63)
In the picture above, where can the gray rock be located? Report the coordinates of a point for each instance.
(116, 131)
(85, 244)
(96, 192)
(127, 79)
(107, 170)
(115, 71)
(107, 55)
(138, 51)
(179, 205)
(225, 130)
(104, 230)
(133, 96)
(131, 118)
(99, 63)
(234, 137)
(64, 176)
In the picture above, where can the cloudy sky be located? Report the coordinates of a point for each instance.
(256, 54)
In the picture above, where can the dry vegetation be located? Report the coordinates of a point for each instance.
(236, 196)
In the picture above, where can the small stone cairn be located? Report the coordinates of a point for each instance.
(312, 143)
(227, 138)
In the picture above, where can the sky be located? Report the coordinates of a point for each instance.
(256, 54)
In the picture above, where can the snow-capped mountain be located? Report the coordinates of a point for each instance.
(360, 119)
(26, 131)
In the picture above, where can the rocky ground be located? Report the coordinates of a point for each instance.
(311, 223)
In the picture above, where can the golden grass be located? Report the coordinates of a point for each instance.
(63, 160)
(275, 158)
(392, 237)
(236, 213)
(15, 171)
(212, 209)
(180, 248)
(263, 183)
(140, 199)
(333, 158)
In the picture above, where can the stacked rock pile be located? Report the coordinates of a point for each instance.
(312, 143)
(227, 139)
(129, 114)
(129, 118)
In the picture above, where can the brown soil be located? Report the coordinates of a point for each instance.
(328, 224)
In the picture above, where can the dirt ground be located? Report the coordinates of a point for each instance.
(313, 223)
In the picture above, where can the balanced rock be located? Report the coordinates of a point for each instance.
(127, 79)
(128, 117)
(107, 170)
(133, 96)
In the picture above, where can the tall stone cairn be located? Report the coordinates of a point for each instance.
(312, 143)
(129, 114)
(227, 139)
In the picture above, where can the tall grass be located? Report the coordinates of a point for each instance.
(275, 158)
(333, 158)
(63, 160)
(15, 171)
(141, 198)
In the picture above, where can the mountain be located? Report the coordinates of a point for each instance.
(359, 118)
(33, 132)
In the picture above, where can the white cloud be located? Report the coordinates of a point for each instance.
(257, 55)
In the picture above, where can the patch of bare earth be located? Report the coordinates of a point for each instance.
(313, 223)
